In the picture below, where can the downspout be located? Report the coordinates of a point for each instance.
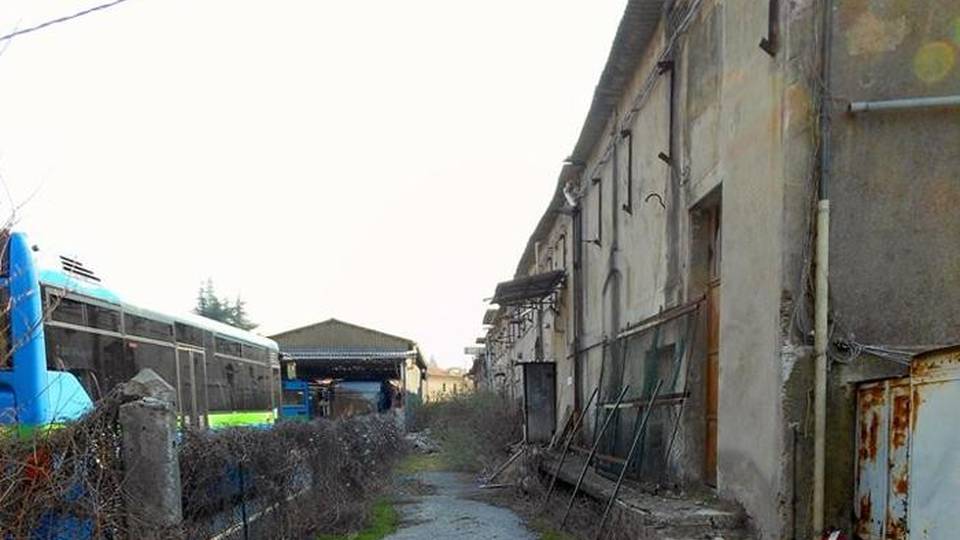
(821, 341)
(577, 302)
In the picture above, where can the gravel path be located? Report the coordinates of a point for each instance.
(448, 513)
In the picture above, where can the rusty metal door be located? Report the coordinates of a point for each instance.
(908, 453)
(883, 416)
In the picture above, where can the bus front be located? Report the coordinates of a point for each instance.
(31, 395)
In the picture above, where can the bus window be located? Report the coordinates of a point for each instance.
(148, 328)
(66, 310)
(96, 359)
(156, 357)
(253, 352)
(103, 318)
(189, 334)
(226, 346)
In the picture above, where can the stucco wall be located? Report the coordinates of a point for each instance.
(895, 236)
(737, 111)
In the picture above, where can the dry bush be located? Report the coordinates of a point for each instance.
(475, 429)
(64, 481)
(298, 478)
(292, 480)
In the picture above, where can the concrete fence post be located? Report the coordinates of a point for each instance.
(152, 491)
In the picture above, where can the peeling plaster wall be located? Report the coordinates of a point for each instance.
(730, 133)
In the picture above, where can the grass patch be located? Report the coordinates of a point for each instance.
(552, 534)
(383, 521)
(415, 463)
(546, 531)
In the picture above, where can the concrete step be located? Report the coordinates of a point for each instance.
(657, 516)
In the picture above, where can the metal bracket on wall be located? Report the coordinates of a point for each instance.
(627, 135)
(770, 43)
(667, 66)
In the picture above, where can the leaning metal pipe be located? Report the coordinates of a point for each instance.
(820, 344)
(633, 448)
(904, 104)
(566, 448)
(593, 452)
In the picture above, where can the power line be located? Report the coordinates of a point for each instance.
(60, 20)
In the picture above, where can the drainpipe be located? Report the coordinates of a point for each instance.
(577, 302)
(821, 292)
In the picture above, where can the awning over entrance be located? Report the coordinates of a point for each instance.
(528, 288)
(352, 363)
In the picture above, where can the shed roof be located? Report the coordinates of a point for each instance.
(528, 288)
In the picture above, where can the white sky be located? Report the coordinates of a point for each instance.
(381, 162)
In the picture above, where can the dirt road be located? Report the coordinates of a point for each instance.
(442, 509)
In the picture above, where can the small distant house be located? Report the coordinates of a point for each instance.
(444, 383)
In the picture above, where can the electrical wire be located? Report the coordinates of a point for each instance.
(59, 20)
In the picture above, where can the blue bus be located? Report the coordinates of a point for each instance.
(66, 340)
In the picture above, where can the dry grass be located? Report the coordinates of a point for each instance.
(473, 429)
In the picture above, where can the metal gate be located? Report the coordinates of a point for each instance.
(908, 452)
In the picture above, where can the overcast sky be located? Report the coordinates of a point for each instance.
(381, 162)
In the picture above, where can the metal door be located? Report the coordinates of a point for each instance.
(908, 452)
(539, 401)
(186, 386)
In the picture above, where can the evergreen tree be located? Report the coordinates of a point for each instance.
(238, 315)
(219, 309)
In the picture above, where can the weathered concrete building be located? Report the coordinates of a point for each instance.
(721, 137)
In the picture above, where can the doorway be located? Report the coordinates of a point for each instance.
(705, 280)
(188, 361)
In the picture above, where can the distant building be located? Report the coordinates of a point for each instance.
(336, 354)
(444, 383)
